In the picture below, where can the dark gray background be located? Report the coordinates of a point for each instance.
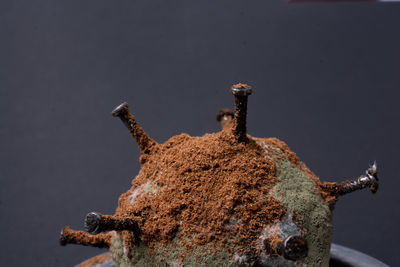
(325, 77)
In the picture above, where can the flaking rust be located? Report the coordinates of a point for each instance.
(221, 199)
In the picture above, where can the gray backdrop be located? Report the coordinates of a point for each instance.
(325, 78)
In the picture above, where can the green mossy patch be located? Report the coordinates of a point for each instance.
(298, 193)
(170, 255)
(295, 190)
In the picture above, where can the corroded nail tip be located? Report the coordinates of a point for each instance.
(122, 108)
(224, 112)
(295, 247)
(373, 169)
(92, 223)
(372, 174)
(241, 89)
(62, 240)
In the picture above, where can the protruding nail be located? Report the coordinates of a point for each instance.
(142, 139)
(372, 172)
(241, 93)
(69, 236)
(225, 117)
(93, 223)
(241, 89)
(96, 223)
(63, 241)
(225, 112)
(120, 110)
(370, 179)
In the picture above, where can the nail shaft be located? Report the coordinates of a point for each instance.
(142, 138)
(69, 236)
(241, 93)
(97, 223)
(369, 179)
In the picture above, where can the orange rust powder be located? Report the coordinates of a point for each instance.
(193, 187)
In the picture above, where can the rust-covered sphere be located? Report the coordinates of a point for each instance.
(210, 201)
(222, 199)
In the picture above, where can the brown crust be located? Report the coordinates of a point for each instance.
(70, 236)
(241, 86)
(145, 143)
(194, 179)
(273, 245)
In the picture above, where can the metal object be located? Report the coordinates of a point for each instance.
(370, 179)
(120, 111)
(142, 138)
(93, 223)
(96, 223)
(294, 247)
(225, 117)
(68, 236)
(63, 239)
(241, 93)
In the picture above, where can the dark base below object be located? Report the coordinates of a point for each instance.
(340, 257)
(347, 257)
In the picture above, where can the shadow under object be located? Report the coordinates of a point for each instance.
(340, 257)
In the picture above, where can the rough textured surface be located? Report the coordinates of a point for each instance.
(173, 254)
(212, 201)
(339, 256)
(297, 192)
(102, 260)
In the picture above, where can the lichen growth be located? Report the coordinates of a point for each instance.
(306, 213)
(173, 254)
(298, 193)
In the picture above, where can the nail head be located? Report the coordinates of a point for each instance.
(295, 247)
(241, 89)
(122, 108)
(92, 223)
